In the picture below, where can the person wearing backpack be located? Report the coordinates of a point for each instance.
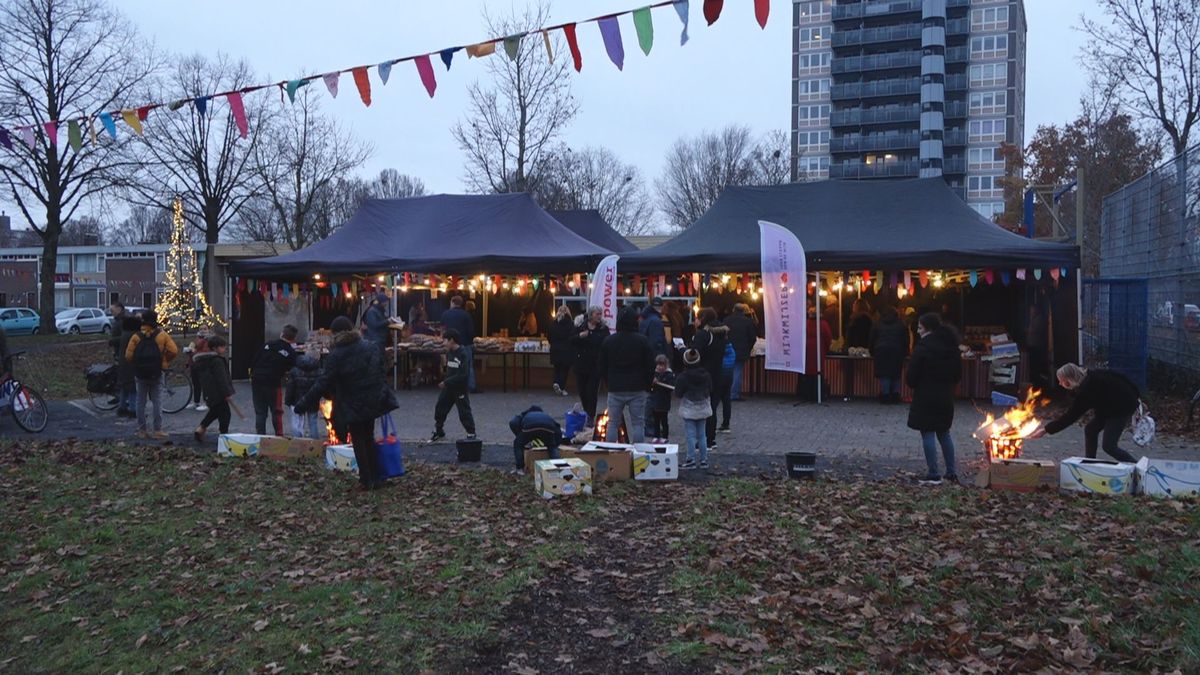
(150, 351)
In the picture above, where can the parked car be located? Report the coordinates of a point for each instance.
(19, 321)
(81, 321)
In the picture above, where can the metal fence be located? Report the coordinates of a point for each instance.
(1143, 313)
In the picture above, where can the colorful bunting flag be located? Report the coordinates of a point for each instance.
(610, 32)
(681, 8)
(907, 279)
(973, 277)
(144, 112)
(644, 25)
(573, 45)
(712, 10)
(1037, 274)
(91, 123)
(549, 51)
(5, 139)
(176, 105)
(1064, 272)
(131, 118)
(923, 276)
(294, 85)
(331, 82)
(202, 105)
(363, 83)
(1005, 277)
(866, 275)
(384, 69)
(1021, 273)
(74, 135)
(1054, 273)
(892, 279)
(481, 50)
(239, 113)
(512, 46)
(425, 70)
(110, 125)
(762, 9)
(989, 276)
(448, 55)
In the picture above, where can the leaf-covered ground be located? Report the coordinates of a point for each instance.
(141, 559)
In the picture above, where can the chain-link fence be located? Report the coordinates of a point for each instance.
(1150, 248)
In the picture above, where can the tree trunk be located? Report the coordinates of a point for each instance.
(210, 275)
(49, 264)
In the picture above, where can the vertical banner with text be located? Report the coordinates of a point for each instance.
(604, 290)
(784, 292)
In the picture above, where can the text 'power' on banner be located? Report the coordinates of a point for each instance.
(784, 294)
(604, 290)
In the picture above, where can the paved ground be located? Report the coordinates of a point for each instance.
(856, 437)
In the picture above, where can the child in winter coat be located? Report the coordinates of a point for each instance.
(694, 389)
(212, 371)
(660, 397)
(300, 380)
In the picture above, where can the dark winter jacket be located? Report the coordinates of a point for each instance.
(587, 349)
(889, 346)
(811, 362)
(130, 325)
(858, 333)
(651, 327)
(660, 397)
(560, 332)
(536, 421)
(272, 362)
(457, 371)
(710, 342)
(212, 371)
(933, 373)
(353, 375)
(742, 333)
(1109, 393)
(626, 359)
(300, 380)
(460, 320)
(376, 321)
(116, 330)
(694, 388)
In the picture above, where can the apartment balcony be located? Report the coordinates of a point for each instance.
(911, 141)
(880, 88)
(855, 64)
(958, 54)
(957, 3)
(865, 9)
(956, 82)
(865, 36)
(857, 118)
(954, 166)
(955, 138)
(955, 110)
(958, 26)
(905, 169)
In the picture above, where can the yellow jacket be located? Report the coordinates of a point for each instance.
(166, 346)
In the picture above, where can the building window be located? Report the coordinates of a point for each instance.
(62, 264)
(989, 210)
(100, 262)
(814, 167)
(813, 61)
(810, 89)
(160, 262)
(85, 263)
(992, 18)
(813, 139)
(812, 115)
(989, 103)
(816, 36)
(984, 158)
(986, 131)
(989, 47)
(815, 11)
(989, 75)
(985, 186)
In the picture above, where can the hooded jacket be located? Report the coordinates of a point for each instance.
(626, 359)
(300, 380)
(130, 325)
(710, 342)
(272, 362)
(694, 389)
(652, 328)
(166, 346)
(212, 370)
(376, 321)
(353, 375)
(742, 333)
(933, 373)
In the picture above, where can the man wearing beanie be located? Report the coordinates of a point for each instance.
(353, 375)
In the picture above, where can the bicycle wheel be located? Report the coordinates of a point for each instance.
(176, 391)
(28, 409)
(106, 400)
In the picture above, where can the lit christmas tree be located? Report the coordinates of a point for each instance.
(184, 292)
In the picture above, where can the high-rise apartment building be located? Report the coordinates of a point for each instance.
(906, 88)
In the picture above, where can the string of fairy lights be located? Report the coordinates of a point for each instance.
(183, 306)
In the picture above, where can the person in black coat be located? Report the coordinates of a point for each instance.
(590, 334)
(627, 366)
(889, 346)
(352, 376)
(459, 320)
(562, 354)
(1112, 398)
(858, 333)
(651, 326)
(743, 333)
(212, 372)
(709, 341)
(933, 373)
(126, 382)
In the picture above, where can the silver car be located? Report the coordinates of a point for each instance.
(81, 321)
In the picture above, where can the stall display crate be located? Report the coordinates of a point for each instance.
(655, 461)
(1097, 476)
(341, 458)
(1019, 475)
(562, 478)
(1168, 477)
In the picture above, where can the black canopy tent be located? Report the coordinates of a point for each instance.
(850, 225)
(589, 224)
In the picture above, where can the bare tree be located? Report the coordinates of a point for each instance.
(595, 178)
(303, 154)
(770, 160)
(391, 184)
(82, 230)
(1149, 57)
(513, 121)
(196, 152)
(62, 60)
(698, 169)
(144, 225)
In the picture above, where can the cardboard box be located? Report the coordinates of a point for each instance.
(239, 445)
(1097, 476)
(606, 464)
(291, 448)
(605, 446)
(340, 458)
(655, 461)
(1019, 475)
(533, 455)
(1168, 477)
(562, 477)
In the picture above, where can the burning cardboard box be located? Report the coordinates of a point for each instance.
(562, 477)
(1168, 478)
(1019, 475)
(239, 445)
(341, 458)
(655, 461)
(1003, 437)
(1097, 476)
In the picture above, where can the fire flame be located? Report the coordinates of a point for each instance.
(1003, 437)
(326, 408)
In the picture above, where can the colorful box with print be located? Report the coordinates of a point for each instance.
(239, 445)
(341, 458)
(655, 461)
(1168, 477)
(562, 477)
(1097, 476)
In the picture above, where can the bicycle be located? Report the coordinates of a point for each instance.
(104, 387)
(27, 406)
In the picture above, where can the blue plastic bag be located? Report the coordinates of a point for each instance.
(391, 457)
(575, 423)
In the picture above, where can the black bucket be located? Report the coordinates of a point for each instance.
(469, 450)
(802, 465)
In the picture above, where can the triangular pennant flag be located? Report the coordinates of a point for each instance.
(1054, 273)
(973, 277)
(448, 55)
(74, 135)
(762, 9)
(385, 70)
(331, 83)
(892, 279)
(878, 283)
(239, 113)
(644, 25)
(989, 276)
(91, 124)
(1064, 271)
(176, 105)
(549, 50)
(294, 85)
(5, 139)
(923, 276)
(131, 118)
(610, 31)
(481, 50)
(29, 136)
(512, 45)
(712, 10)
(51, 132)
(202, 105)
(110, 125)
(1037, 274)
(681, 8)
(1021, 273)
(1005, 277)
(363, 82)
(144, 112)
(573, 45)
(425, 70)
(866, 275)
(907, 279)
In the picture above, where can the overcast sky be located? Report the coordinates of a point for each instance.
(731, 72)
